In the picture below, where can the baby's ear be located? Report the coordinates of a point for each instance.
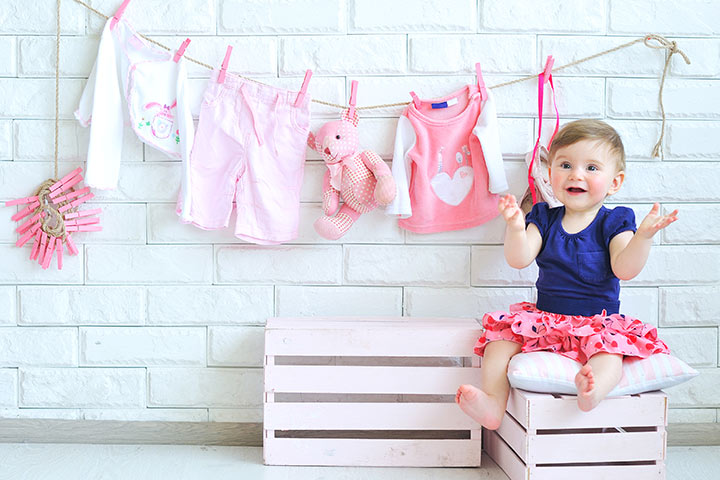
(617, 182)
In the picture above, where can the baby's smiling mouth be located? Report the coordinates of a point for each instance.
(575, 190)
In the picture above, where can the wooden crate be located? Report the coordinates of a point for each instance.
(369, 392)
(546, 436)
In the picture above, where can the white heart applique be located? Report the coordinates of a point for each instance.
(453, 190)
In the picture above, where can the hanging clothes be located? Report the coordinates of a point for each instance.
(538, 159)
(249, 151)
(133, 82)
(447, 162)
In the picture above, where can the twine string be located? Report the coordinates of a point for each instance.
(662, 43)
(53, 223)
(670, 50)
(57, 87)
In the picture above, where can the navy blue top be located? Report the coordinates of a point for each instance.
(575, 274)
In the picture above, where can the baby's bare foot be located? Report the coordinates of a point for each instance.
(585, 383)
(479, 406)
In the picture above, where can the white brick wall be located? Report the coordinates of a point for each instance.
(156, 320)
(298, 17)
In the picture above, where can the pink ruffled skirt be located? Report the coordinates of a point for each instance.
(573, 336)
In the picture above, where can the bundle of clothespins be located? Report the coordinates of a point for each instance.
(54, 214)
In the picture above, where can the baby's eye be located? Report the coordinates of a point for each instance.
(565, 165)
(337, 136)
(592, 168)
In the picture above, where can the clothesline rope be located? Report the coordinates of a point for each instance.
(57, 86)
(670, 48)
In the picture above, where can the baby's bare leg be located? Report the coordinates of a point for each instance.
(597, 378)
(487, 406)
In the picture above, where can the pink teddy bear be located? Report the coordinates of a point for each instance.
(361, 178)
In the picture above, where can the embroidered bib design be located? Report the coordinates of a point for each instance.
(162, 123)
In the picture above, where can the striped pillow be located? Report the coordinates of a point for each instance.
(549, 372)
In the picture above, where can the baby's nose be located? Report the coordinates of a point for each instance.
(577, 173)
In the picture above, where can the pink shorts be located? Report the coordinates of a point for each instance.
(249, 149)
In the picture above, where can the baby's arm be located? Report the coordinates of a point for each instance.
(628, 252)
(521, 245)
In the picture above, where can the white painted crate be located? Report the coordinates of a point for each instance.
(546, 436)
(369, 392)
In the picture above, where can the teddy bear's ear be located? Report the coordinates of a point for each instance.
(354, 119)
(312, 142)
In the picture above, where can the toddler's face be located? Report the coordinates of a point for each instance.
(583, 174)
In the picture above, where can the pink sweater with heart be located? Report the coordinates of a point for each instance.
(447, 163)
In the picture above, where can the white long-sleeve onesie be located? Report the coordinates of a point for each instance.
(138, 83)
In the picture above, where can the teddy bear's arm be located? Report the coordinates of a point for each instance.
(385, 189)
(374, 163)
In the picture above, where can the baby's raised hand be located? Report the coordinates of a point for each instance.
(654, 222)
(511, 212)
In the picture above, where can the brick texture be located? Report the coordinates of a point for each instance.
(156, 320)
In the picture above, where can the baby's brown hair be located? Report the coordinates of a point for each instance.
(587, 129)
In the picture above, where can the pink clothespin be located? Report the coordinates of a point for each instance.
(67, 177)
(223, 68)
(69, 196)
(75, 203)
(20, 201)
(353, 97)
(22, 228)
(84, 228)
(25, 211)
(480, 82)
(24, 239)
(36, 246)
(83, 213)
(71, 245)
(303, 89)
(49, 252)
(43, 246)
(416, 100)
(82, 199)
(59, 249)
(181, 51)
(67, 185)
(116, 18)
(83, 221)
(547, 72)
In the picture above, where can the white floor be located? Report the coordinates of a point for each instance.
(152, 462)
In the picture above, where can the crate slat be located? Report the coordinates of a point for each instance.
(515, 469)
(514, 435)
(367, 452)
(503, 455)
(596, 447)
(366, 416)
(545, 436)
(544, 411)
(360, 323)
(599, 472)
(358, 379)
(405, 341)
(441, 340)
